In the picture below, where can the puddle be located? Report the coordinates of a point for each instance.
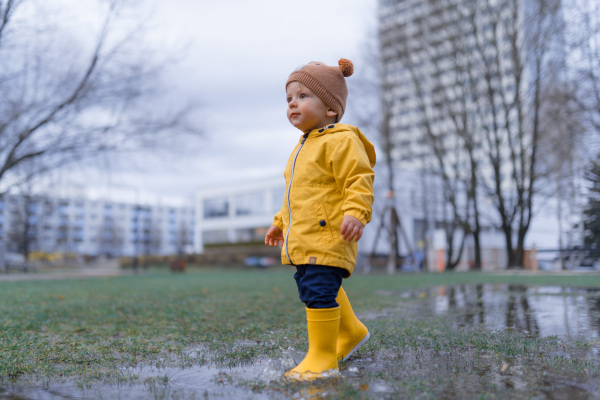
(566, 312)
(164, 383)
(407, 370)
(537, 311)
(205, 382)
(202, 382)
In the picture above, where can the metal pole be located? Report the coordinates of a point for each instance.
(2, 255)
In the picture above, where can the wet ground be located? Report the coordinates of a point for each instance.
(423, 364)
(541, 311)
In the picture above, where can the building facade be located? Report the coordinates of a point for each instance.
(237, 213)
(94, 227)
(439, 61)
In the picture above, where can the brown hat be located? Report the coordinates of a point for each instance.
(326, 82)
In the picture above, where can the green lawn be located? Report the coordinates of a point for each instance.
(92, 329)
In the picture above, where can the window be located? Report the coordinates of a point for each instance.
(63, 208)
(278, 199)
(216, 208)
(420, 229)
(32, 208)
(215, 236)
(249, 204)
(251, 234)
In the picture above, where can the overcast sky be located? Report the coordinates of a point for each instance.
(238, 55)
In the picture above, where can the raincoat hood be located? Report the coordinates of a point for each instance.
(335, 128)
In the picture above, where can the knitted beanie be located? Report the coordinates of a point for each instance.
(326, 82)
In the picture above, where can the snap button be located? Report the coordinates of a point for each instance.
(330, 126)
(321, 130)
(322, 222)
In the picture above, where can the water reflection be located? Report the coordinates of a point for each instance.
(542, 311)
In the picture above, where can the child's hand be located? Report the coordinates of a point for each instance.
(351, 228)
(274, 236)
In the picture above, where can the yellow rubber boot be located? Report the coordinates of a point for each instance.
(353, 333)
(323, 325)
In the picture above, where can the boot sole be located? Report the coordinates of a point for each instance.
(358, 346)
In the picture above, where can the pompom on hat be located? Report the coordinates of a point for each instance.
(327, 82)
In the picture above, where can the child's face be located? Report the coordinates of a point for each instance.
(305, 110)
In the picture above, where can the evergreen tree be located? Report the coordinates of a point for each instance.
(592, 211)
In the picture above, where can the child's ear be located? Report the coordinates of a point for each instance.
(331, 113)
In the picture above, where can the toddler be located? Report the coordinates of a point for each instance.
(328, 200)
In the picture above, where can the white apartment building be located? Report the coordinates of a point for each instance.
(94, 227)
(458, 75)
(231, 213)
(237, 213)
(242, 212)
(440, 62)
(411, 34)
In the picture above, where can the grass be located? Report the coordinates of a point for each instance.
(93, 327)
(93, 330)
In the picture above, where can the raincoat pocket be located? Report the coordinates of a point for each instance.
(322, 223)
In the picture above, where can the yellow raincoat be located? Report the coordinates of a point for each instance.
(328, 175)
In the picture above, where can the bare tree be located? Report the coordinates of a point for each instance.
(67, 97)
(572, 120)
(21, 236)
(110, 237)
(433, 65)
(183, 238)
(563, 148)
(156, 238)
(483, 74)
(521, 48)
(65, 228)
(46, 224)
(592, 210)
(374, 111)
(584, 45)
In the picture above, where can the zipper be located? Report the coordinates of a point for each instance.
(287, 234)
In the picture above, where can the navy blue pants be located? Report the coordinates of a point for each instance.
(318, 285)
